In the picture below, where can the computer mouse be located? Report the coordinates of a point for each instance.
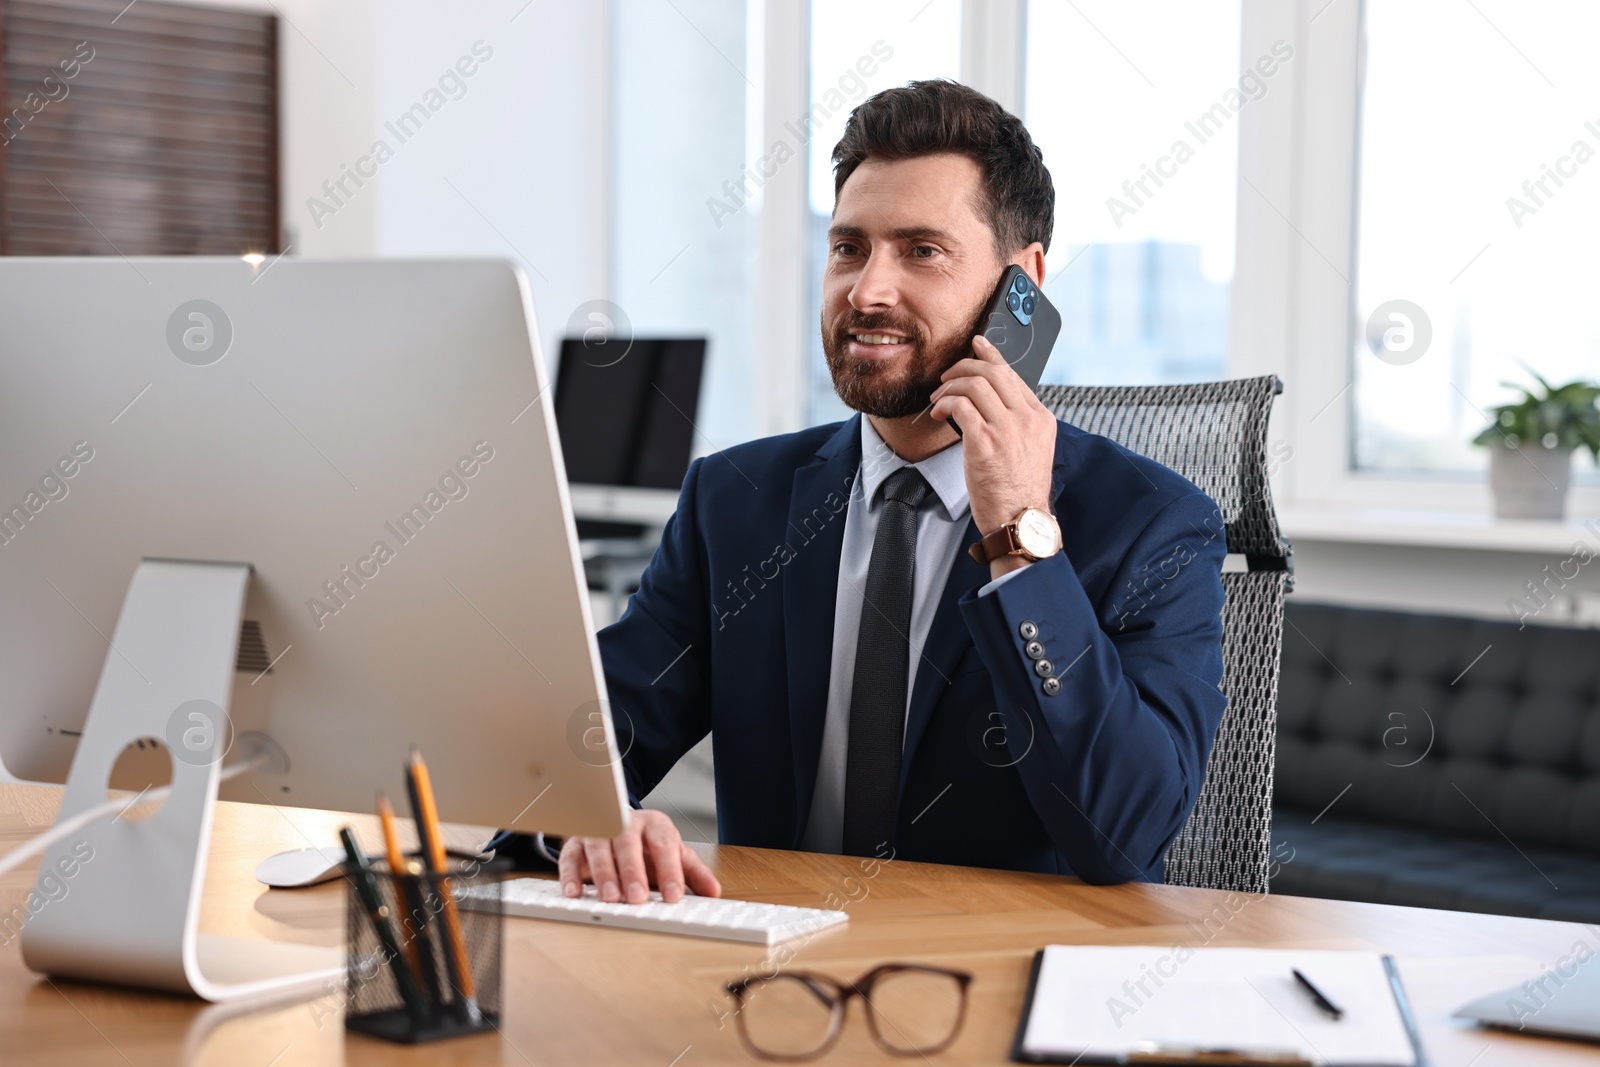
(301, 867)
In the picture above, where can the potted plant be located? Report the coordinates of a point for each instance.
(1530, 446)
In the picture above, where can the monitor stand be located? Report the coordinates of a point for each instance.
(123, 901)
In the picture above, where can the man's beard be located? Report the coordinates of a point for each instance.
(880, 387)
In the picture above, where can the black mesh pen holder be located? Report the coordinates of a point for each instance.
(452, 954)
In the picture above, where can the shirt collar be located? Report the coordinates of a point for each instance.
(945, 471)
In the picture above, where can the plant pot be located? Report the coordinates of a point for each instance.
(1530, 483)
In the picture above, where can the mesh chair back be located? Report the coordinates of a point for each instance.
(1215, 434)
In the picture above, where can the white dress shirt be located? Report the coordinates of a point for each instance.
(941, 521)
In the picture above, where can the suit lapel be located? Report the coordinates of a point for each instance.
(815, 534)
(948, 636)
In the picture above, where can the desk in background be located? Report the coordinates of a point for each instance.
(577, 995)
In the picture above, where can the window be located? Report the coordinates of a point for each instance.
(1478, 205)
(901, 41)
(1136, 108)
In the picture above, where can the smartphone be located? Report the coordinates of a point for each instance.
(1022, 324)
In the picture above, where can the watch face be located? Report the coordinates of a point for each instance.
(1037, 533)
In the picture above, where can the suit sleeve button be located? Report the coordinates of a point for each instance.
(1034, 650)
(1051, 686)
(1043, 668)
(1028, 630)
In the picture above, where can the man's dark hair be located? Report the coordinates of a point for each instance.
(927, 117)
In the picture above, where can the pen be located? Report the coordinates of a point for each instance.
(1319, 996)
(367, 889)
(404, 889)
(435, 860)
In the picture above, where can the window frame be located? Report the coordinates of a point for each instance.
(1298, 220)
(1291, 310)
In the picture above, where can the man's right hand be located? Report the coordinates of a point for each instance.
(650, 852)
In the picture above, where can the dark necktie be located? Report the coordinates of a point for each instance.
(883, 662)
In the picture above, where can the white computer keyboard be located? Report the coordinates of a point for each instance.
(729, 920)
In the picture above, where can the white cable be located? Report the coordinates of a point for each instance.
(77, 822)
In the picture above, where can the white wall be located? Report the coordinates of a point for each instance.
(524, 147)
(1474, 583)
(327, 84)
(680, 132)
(525, 143)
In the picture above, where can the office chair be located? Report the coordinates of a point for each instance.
(1215, 434)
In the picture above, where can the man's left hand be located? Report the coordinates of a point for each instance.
(1009, 436)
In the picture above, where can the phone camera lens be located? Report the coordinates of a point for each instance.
(1013, 301)
(1021, 284)
(1027, 305)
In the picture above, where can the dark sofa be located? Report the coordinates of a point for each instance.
(1439, 762)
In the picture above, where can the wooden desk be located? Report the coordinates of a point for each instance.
(577, 995)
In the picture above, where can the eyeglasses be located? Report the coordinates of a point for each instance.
(913, 1010)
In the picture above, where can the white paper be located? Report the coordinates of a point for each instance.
(1107, 1001)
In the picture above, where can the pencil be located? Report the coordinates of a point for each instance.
(398, 871)
(433, 856)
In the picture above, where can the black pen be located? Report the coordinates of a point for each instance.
(1319, 996)
(367, 888)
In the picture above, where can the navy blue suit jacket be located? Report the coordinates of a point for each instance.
(731, 632)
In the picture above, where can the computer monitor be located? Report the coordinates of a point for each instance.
(626, 407)
(376, 440)
(315, 506)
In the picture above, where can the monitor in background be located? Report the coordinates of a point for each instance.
(626, 409)
(325, 498)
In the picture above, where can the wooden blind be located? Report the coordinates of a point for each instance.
(142, 129)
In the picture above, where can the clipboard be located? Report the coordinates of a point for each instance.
(1212, 1053)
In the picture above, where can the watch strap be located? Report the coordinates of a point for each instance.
(1002, 542)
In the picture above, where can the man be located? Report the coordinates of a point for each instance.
(871, 687)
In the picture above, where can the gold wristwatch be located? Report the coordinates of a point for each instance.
(1033, 534)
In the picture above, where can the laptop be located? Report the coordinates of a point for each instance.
(1562, 1001)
